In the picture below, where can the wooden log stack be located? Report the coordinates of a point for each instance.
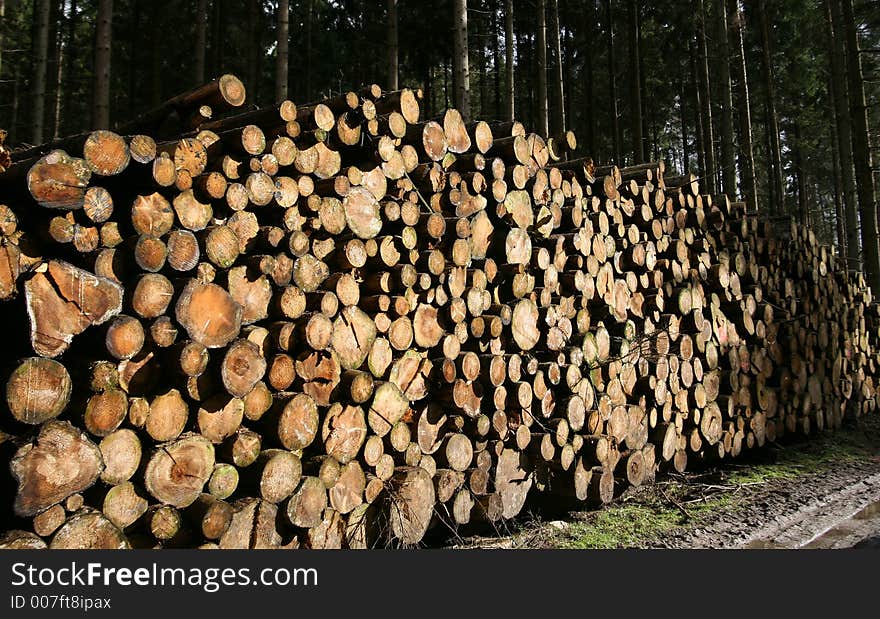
(342, 325)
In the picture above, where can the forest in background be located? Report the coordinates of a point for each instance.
(706, 85)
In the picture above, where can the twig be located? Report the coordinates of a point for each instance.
(676, 503)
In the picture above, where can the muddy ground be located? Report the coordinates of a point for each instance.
(821, 492)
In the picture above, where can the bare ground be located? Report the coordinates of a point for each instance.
(821, 492)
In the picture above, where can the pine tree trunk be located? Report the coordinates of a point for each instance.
(509, 88)
(708, 173)
(496, 60)
(392, 45)
(648, 121)
(839, 217)
(2, 32)
(682, 110)
(103, 34)
(612, 85)
(728, 157)
(430, 91)
(156, 54)
(861, 141)
(216, 59)
(460, 59)
(134, 65)
(70, 63)
(749, 187)
(843, 128)
(635, 81)
(310, 10)
(480, 56)
(201, 40)
(541, 60)
(60, 49)
(800, 176)
(699, 144)
(282, 51)
(778, 194)
(51, 69)
(13, 121)
(558, 120)
(253, 47)
(41, 61)
(568, 65)
(590, 16)
(446, 86)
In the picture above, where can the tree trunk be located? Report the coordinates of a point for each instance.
(282, 51)
(861, 140)
(748, 187)
(839, 217)
(13, 120)
(460, 59)
(699, 143)
(777, 194)
(728, 157)
(705, 99)
(135, 64)
(509, 88)
(103, 34)
(70, 61)
(2, 32)
(201, 40)
(496, 60)
(638, 143)
(60, 49)
(843, 127)
(800, 176)
(310, 11)
(541, 61)
(649, 125)
(612, 85)
(558, 120)
(480, 65)
(682, 111)
(590, 16)
(215, 60)
(568, 65)
(156, 55)
(253, 47)
(52, 68)
(41, 61)
(392, 45)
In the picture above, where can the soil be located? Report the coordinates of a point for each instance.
(790, 513)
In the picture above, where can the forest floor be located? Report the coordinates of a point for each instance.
(821, 492)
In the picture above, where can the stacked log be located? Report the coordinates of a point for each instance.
(342, 325)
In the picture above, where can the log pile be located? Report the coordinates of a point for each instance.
(342, 324)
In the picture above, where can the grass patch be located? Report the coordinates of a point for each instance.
(619, 526)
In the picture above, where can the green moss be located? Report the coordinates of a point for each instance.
(619, 526)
